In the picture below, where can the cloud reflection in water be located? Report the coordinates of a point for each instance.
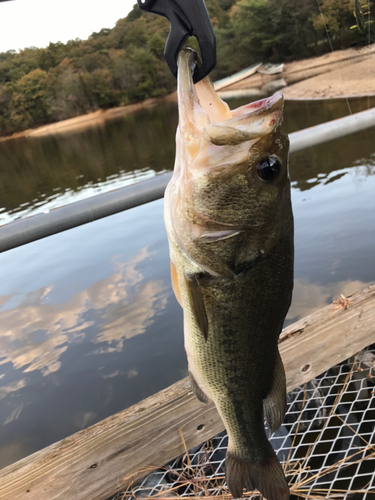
(35, 334)
(309, 297)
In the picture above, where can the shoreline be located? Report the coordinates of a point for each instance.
(325, 98)
(333, 63)
(93, 119)
(342, 74)
(354, 79)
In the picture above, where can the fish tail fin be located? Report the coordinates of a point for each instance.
(268, 477)
(274, 406)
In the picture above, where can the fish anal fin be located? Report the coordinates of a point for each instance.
(175, 285)
(196, 303)
(267, 477)
(274, 406)
(197, 390)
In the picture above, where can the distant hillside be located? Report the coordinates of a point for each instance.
(125, 64)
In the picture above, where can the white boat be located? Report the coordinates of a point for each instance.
(241, 75)
(270, 69)
(273, 85)
(235, 94)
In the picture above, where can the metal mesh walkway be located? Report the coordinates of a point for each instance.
(326, 444)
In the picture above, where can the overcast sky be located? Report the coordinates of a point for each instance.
(27, 23)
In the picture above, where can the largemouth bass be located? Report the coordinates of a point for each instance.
(229, 222)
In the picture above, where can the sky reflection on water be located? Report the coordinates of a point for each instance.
(84, 314)
(88, 321)
(335, 239)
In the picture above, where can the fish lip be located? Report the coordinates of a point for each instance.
(250, 122)
(186, 92)
(198, 104)
(267, 104)
(209, 117)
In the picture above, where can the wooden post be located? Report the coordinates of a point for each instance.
(94, 463)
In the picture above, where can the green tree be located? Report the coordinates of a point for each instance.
(70, 98)
(134, 14)
(5, 100)
(99, 89)
(30, 97)
(337, 17)
(274, 29)
(226, 4)
(126, 64)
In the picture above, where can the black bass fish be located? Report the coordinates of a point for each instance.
(229, 222)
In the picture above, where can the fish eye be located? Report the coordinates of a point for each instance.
(268, 168)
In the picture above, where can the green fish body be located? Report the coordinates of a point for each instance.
(229, 222)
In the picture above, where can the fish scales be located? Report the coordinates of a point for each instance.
(229, 222)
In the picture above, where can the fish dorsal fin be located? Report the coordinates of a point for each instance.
(175, 285)
(274, 406)
(197, 304)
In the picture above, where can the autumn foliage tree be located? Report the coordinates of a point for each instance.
(337, 17)
(118, 66)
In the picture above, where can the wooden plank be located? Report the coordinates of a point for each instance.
(93, 463)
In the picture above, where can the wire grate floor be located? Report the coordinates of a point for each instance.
(326, 443)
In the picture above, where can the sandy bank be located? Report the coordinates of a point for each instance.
(353, 80)
(95, 119)
(345, 72)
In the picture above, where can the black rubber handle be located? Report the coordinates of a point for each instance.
(187, 18)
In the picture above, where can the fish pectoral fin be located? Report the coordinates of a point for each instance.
(197, 390)
(175, 285)
(267, 477)
(197, 304)
(274, 406)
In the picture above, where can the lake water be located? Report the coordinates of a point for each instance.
(88, 322)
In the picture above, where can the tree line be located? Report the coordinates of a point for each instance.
(123, 65)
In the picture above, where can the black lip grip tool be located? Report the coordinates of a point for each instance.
(187, 18)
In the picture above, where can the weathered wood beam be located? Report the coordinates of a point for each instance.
(93, 463)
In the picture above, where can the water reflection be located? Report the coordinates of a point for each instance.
(35, 333)
(82, 329)
(13, 386)
(326, 163)
(40, 173)
(309, 297)
(45, 172)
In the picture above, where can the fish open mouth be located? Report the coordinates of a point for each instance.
(224, 159)
(201, 109)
